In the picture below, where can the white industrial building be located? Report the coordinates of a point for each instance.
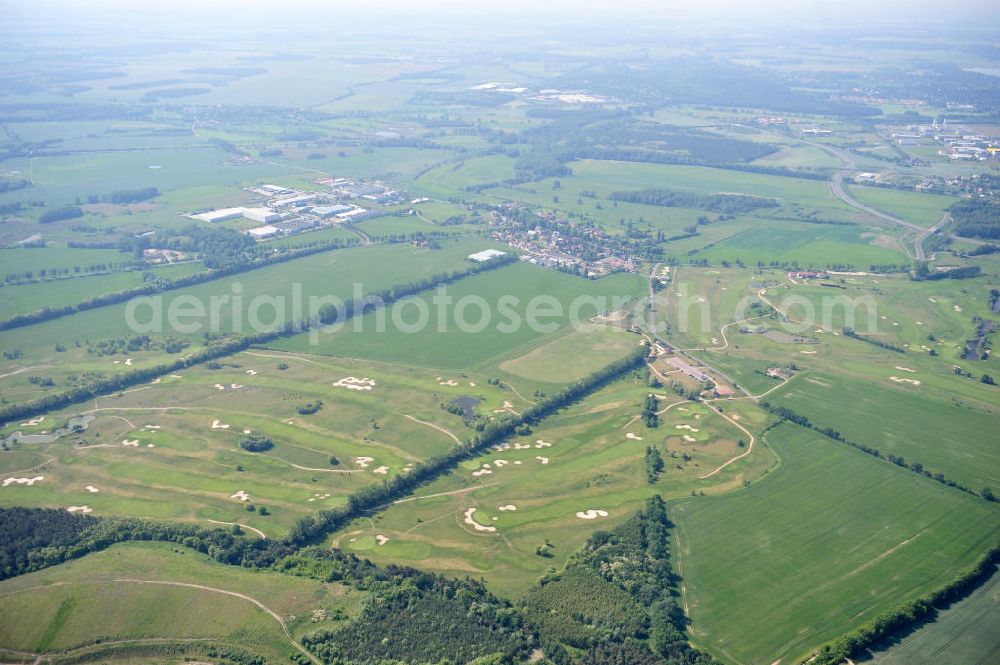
(353, 214)
(331, 210)
(486, 255)
(296, 201)
(261, 232)
(262, 215)
(221, 215)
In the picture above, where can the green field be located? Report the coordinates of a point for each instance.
(578, 460)
(170, 450)
(910, 422)
(27, 298)
(498, 331)
(155, 591)
(835, 538)
(963, 633)
(338, 273)
(915, 207)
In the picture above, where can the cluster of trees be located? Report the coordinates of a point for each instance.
(922, 273)
(670, 198)
(62, 272)
(649, 409)
(852, 333)
(27, 531)
(59, 214)
(124, 196)
(134, 343)
(156, 284)
(654, 464)
(309, 408)
(616, 599)
(784, 413)
(910, 615)
(102, 385)
(256, 443)
(977, 218)
(312, 528)
(13, 184)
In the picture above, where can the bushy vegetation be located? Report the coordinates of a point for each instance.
(28, 531)
(910, 614)
(256, 443)
(784, 413)
(107, 384)
(616, 598)
(723, 203)
(59, 214)
(977, 218)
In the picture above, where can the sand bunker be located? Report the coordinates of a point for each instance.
(354, 383)
(149, 445)
(380, 539)
(175, 376)
(152, 427)
(957, 308)
(33, 422)
(631, 435)
(85, 510)
(931, 299)
(897, 379)
(472, 384)
(240, 496)
(91, 489)
(905, 369)
(591, 514)
(23, 481)
(252, 372)
(235, 386)
(469, 512)
(542, 444)
(808, 353)
(543, 460)
(714, 340)
(247, 431)
(689, 438)
(363, 462)
(685, 426)
(218, 424)
(507, 507)
(449, 382)
(383, 470)
(131, 442)
(500, 463)
(483, 471)
(128, 362)
(218, 386)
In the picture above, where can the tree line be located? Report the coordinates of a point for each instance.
(102, 385)
(163, 284)
(784, 413)
(671, 198)
(617, 599)
(910, 615)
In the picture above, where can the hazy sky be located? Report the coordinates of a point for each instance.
(841, 10)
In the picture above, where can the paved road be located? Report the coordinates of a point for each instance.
(837, 187)
(651, 327)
